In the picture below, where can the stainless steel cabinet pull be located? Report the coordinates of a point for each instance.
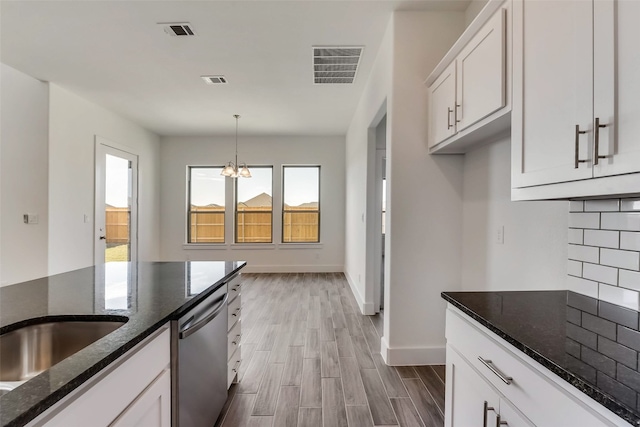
(456, 114)
(597, 141)
(500, 422)
(487, 408)
(489, 364)
(235, 368)
(236, 340)
(235, 314)
(578, 133)
(449, 111)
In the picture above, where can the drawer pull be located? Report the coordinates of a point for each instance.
(235, 314)
(487, 408)
(576, 158)
(500, 422)
(235, 367)
(488, 364)
(236, 340)
(449, 111)
(597, 127)
(236, 288)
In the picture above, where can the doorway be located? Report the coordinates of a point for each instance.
(116, 204)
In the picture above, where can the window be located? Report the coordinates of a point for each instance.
(254, 207)
(301, 204)
(206, 205)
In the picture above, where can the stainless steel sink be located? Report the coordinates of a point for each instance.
(26, 352)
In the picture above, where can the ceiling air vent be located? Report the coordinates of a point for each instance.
(178, 28)
(215, 80)
(335, 64)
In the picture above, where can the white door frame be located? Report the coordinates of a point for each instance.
(102, 148)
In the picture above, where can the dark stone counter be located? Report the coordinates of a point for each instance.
(149, 294)
(591, 344)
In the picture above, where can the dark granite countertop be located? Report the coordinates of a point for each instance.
(149, 294)
(591, 344)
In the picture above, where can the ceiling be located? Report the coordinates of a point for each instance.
(115, 54)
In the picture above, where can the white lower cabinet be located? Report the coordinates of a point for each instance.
(135, 390)
(481, 367)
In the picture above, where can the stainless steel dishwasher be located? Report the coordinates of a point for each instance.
(200, 362)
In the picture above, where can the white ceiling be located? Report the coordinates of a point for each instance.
(114, 54)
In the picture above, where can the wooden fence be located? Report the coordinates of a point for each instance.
(117, 224)
(253, 225)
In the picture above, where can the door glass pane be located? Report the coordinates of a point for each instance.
(118, 189)
(254, 206)
(206, 205)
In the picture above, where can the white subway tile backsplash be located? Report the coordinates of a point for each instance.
(602, 238)
(629, 279)
(612, 205)
(574, 268)
(584, 220)
(576, 235)
(619, 296)
(630, 205)
(604, 250)
(628, 240)
(584, 253)
(582, 286)
(600, 273)
(625, 221)
(576, 206)
(622, 259)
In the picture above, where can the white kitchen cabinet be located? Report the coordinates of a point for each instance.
(234, 334)
(474, 402)
(471, 92)
(135, 390)
(576, 116)
(514, 385)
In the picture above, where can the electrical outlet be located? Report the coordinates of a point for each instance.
(30, 218)
(500, 235)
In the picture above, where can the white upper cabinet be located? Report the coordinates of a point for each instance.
(576, 113)
(480, 76)
(442, 102)
(469, 90)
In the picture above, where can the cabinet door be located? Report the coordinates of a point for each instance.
(553, 91)
(470, 401)
(616, 85)
(481, 74)
(152, 408)
(511, 416)
(442, 98)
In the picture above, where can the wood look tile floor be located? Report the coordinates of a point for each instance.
(309, 358)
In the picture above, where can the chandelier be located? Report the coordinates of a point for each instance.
(233, 169)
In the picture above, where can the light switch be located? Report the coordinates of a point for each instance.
(500, 235)
(30, 218)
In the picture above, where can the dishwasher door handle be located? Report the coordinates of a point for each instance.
(194, 328)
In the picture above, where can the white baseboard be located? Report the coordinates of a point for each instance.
(314, 268)
(411, 356)
(365, 307)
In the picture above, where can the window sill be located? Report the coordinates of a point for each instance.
(205, 246)
(253, 246)
(300, 245)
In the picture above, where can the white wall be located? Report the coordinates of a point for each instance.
(424, 219)
(24, 109)
(179, 152)
(358, 172)
(73, 124)
(534, 253)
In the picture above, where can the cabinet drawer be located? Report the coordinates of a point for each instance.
(234, 286)
(233, 339)
(545, 403)
(233, 366)
(234, 312)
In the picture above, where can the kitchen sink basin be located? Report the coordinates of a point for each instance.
(27, 351)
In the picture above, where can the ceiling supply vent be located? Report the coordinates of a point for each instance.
(215, 80)
(336, 64)
(178, 28)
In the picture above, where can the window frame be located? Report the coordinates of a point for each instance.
(235, 207)
(189, 211)
(319, 210)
